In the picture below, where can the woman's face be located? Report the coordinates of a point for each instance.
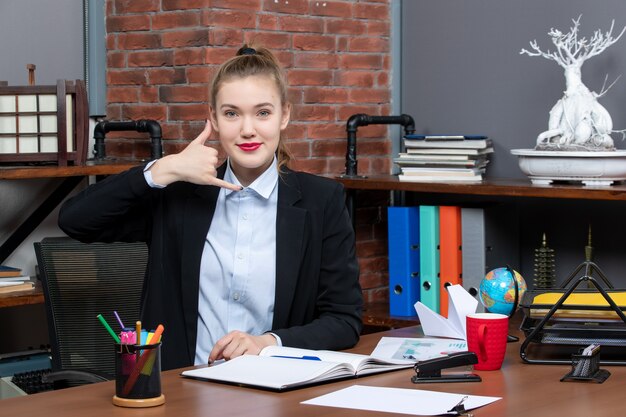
(249, 117)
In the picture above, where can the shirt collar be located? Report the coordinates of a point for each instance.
(263, 185)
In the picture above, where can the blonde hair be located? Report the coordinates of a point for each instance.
(250, 61)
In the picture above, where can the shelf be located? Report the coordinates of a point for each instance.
(377, 316)
(70, 177)
(495, 187)
(54, 171)
(18, 298)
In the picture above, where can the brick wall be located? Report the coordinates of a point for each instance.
(161, 55)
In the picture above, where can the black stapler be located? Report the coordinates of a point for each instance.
(430, 371)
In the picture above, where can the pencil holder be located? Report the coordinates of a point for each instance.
(138, 375)
(586, 368)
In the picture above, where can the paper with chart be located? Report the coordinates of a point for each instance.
(399, 400)
(460, 304)
(416, 349)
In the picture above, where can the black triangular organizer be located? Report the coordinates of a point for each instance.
(556, 338)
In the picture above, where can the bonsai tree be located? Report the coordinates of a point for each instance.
(577, 121)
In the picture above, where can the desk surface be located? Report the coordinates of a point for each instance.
(527, 390)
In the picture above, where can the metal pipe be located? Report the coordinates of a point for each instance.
(144, 125)
(362, 119)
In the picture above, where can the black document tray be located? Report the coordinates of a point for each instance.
(552, 337)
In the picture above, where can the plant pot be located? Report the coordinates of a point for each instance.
(591, 168)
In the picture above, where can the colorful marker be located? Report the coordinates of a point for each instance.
(117, 316)
(138, 332)
(156, 336)
(108, 328)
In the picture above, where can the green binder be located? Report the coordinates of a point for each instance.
(429, 256)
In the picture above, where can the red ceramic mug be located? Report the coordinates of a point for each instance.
(487, 336)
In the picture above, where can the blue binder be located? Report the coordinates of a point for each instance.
(429, 256)
(404, 260)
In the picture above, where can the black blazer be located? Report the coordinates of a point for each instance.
(318, 299)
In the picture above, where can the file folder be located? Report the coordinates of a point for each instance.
(450, 255)
(490, 239)
(473, 256)
(404, 260)
(429, 256)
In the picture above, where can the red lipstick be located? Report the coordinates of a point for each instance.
(249, 146)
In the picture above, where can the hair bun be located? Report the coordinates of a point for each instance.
(247, 51)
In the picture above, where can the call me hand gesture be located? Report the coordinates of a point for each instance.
(196, 164)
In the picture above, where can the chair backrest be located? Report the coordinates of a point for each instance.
(81, 281)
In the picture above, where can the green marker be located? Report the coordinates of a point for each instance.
(109, 329)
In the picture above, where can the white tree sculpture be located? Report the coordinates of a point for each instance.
(577, 121)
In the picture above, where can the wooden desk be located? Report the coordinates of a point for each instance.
(527, 390)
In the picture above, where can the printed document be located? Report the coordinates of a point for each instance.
(399, 400)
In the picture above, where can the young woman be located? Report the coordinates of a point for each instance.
(244, 254)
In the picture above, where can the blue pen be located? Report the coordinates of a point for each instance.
(308, 358)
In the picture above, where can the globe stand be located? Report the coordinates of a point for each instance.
(510, 338)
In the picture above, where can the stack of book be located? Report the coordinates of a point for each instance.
(12, 280)
(444, 158)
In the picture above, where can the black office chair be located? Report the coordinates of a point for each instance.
(81, 281)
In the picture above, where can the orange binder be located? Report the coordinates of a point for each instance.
(450, 259)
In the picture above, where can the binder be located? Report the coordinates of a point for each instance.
(429, 256)
(404, 260)
(473, 256)
(450, 256)
(490, 239)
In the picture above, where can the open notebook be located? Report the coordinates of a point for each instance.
(281, 368)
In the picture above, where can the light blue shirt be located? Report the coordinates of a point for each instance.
(238, 267)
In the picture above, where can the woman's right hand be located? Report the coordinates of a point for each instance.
(196, 163)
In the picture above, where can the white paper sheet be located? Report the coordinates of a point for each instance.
(10, 283)
(416, 349)
(398, 400)
(461, 303)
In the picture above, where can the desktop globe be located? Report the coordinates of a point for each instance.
(497, 290)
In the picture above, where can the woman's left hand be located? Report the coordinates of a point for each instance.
(237, 343)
